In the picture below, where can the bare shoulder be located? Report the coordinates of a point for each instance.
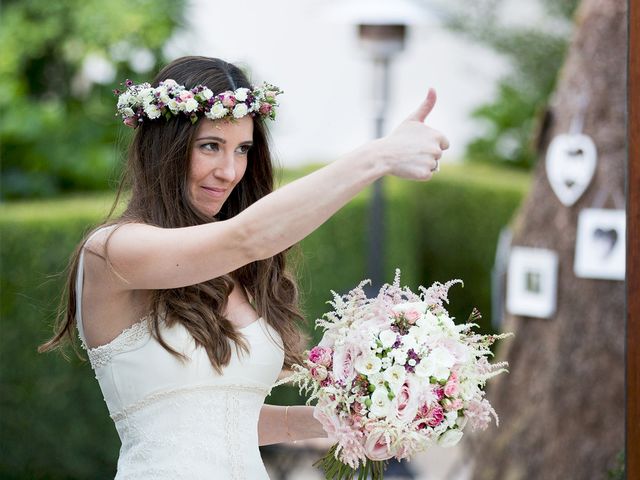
(98, 261)
(102, 237)
(109, 303)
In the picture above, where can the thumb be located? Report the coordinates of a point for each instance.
(425, 107)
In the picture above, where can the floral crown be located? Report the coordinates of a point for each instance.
(169, 99)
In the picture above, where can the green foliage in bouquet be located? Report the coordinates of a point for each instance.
(333, 470)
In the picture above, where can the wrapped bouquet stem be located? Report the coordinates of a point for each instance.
(394, 375)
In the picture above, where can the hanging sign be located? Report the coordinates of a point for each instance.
(532, 282)
(600, 244)
(571, 159)
(571, 163)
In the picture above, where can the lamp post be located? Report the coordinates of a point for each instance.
(382, 29)
(382, 41)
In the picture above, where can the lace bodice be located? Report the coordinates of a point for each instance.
(180, 419)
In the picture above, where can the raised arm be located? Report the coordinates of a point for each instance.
(156, 258)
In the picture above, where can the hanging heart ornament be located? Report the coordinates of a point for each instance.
(571, 163)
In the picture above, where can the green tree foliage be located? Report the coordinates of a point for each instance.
(59, 61)
(535, 53)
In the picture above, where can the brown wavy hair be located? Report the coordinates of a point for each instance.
(156, 174)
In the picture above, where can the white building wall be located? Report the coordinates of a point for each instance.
(327, 108)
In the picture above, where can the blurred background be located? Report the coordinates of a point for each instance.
(510, 75)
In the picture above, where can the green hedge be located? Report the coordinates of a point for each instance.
(54, 422)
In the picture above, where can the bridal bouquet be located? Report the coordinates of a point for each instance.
(394, 375)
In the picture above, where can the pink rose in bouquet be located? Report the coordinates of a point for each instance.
(343, 361)
(452, 387)
(377, 446)
(406, 402)
(321, 356)
(412, 316)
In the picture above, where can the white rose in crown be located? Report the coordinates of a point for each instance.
(206, 93)
(152, 111)
(241, 94)
(173, 106)
(217, 111)
(124, 100)
(240, 110)
(191, 105)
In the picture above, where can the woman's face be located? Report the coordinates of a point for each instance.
(218, 161)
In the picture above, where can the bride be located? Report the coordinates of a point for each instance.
(184, 303)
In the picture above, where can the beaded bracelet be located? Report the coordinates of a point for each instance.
(286, 421)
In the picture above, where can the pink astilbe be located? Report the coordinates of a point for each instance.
(479, 414)
(393, 294)
(350, 449)
(438, 294)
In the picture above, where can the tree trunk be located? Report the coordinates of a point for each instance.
(561, 406)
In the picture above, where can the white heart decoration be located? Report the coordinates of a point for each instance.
(571, 163)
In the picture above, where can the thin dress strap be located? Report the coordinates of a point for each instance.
(79, 285)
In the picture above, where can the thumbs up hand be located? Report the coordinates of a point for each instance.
(413, 149)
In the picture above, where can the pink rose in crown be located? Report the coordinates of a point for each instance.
(265, 108)
(186, 95)
(228, 100)
(320, 356)
(270, 95)
(376, 446)
(130, 122)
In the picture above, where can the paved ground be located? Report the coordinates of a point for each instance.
(436, 464)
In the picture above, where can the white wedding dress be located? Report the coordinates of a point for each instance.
(182, 420)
